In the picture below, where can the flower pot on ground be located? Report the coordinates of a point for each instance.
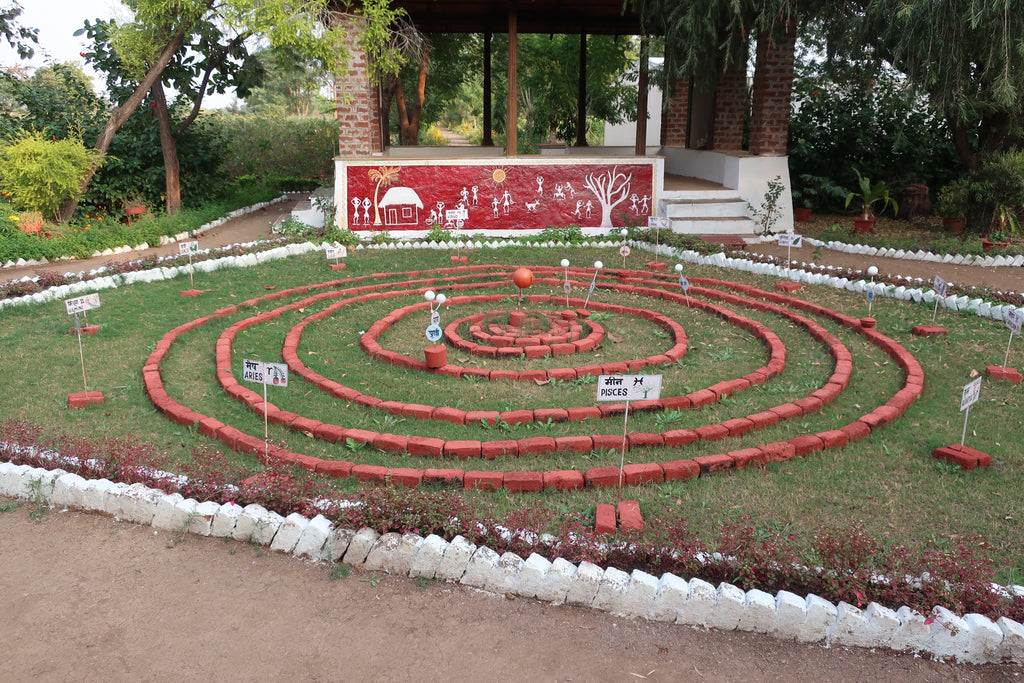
(801, 214)
(863, 225)
(953, 225)
(869, 195)
(989, 245)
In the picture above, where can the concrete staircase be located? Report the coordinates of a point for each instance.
(707, 212)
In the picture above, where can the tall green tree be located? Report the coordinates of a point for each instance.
(18, 37)
(290, 86)
(161, 29)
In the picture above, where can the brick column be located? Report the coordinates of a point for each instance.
(730, 107)
(773, 87)
(357, 100)
(675, 117)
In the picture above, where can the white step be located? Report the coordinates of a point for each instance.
(715, 226)
(707, 208)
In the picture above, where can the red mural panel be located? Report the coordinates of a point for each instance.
(497, 197)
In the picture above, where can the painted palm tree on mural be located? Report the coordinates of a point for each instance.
(383, 176)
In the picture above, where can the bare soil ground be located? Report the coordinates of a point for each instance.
(84, 597)
(87, 598)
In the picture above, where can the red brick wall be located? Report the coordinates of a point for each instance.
(676, 115)
(357, 101)
(730, 106)
(773, 87)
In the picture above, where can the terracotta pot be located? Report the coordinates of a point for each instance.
(801, 214)
(863, 225)
(867, 323)
(953, 225)
(436, 356)
(989, 245)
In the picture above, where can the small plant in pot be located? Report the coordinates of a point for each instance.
(952, 204)
(811, 192)
(869, 195)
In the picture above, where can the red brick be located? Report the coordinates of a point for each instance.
(802, 445)
(536, 444)
(646, 439)
(425, 446)
(462, 449)
(507, 375)
(417, 410)
(642, 474)
(446, 476)
(374, 473)
(855, 431)
(576, 414)
(605, 519)
(809, 404)
(524, 481)
(712, 432)
(629, 516)
(778, 451)
(537, 351)
(516, 417)
(208, 427)
(607, 441)
(563, 480)
(787, 287)
(332, 433)
(968, 458)
(713, 463)
(85, 398)
(1000, 373)
(834, 438)
(564, 349)
(452, 415)
(602, 476)
(495, 449)
(738, 426)
(553, 414)
(335, 468)
(702, 398)
(729, 387)
(748, 456)
(393, 443)
(562, 373)
(787, 411)
(679, 437)
(680, 470)
(405, 476)
(483, 481)
(574, 444)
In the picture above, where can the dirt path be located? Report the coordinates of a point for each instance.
(87, 598)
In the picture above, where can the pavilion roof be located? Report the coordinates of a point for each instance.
(534, 16)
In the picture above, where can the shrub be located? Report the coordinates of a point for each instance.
(42, 174)
(274, 147)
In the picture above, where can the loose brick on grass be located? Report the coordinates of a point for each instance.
(605, 519)
(629, 516)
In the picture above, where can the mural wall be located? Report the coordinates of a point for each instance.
(494, 194)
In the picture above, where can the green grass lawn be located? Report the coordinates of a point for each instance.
(888, 480)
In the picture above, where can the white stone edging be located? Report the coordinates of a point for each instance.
(811, 619)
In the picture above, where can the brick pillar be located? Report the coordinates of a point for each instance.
(357, 100)
(730, 107)
(675, 117)
(773, 87)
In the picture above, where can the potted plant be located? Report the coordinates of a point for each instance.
(1004, 226)
(869, 195)
(31, 222)
(769, 212)
(811, 192)
(952, 202)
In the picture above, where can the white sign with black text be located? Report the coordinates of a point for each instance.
(82, 303)
(628, 387)
(259, 372)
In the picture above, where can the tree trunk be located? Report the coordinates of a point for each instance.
(169, 147)
(409, 117)
(120, 114)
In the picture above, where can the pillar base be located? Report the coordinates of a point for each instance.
(436, 356)
(999, 372)
(87, 329)
(928, 331)
(85, 398)
(967, 458)
(656, 265)
(787, 286)
(339, 266)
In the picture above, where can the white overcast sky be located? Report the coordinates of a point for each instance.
(57, 21)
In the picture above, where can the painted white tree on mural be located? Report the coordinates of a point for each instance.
(611, 189)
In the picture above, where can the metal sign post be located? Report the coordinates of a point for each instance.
(565, 285)
(598, 265)
(968, 398)
(265, 373)
(790, 240)
(189, 248)
(1013, 323)
(74, 307)
(627, 388)
(941, 287)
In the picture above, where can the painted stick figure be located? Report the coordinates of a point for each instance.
(570, 190)
(540, 186)
(559, 193)
(494, 206)
(355, 211)
(634, 199)
(578, 212)
(590, 208)
(464, 195)
(476, 189)
(645, 204)
(366, 210)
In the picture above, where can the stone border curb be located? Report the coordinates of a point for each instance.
(972, 638)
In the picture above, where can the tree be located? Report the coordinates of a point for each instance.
(162, 28)
(18, 37)
(967, 55)
(289, 86)
(611, 189)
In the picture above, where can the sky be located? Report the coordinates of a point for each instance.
(57, 21)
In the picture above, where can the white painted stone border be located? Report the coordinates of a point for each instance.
(1016, 260)
(811, 619)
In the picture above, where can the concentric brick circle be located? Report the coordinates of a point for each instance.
(712, 297)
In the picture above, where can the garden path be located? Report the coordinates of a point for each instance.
(87, 598)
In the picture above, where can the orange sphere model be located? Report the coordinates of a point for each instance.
(523, 278)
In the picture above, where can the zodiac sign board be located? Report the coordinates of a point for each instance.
(82, 303)
(628, 387)
(789, 239)
(188, 247)
(265, 373)
(336, 252)
(970, 394)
